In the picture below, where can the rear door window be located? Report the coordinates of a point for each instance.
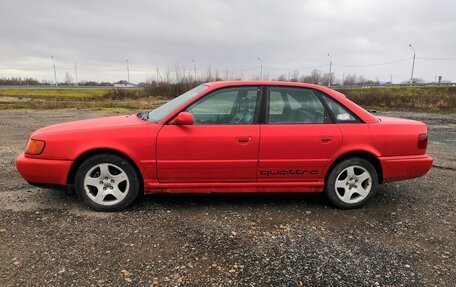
(295, 106)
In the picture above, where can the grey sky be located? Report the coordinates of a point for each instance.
(227, 35)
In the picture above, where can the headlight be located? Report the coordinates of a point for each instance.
(34, 147)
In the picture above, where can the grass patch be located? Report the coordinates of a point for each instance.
(56, 94)
(99, 105)
(433, 99)
(118, 110)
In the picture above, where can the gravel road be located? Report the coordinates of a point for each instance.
(404, 237)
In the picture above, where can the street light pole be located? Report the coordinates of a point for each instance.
(194, 68)
(261, 68)
(55, 74)
(330, 70)
(413, 64)
(76, 75)
(128, 72)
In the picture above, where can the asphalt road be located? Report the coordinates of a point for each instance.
(404, 237)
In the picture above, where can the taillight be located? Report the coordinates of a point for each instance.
(422, 141)
(34, 147)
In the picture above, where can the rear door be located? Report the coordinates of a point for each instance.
(221, 145)
(298, 136)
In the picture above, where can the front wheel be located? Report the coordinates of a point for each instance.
(107, 182)
(351, 183)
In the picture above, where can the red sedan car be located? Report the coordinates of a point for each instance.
(231, 137)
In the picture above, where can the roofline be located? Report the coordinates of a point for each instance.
(260, 83)
(220, 84)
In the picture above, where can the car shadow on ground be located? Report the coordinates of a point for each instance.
(384, 197)
(316, 200)
(237, 199)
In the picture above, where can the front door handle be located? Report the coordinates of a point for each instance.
(325, 139)
(244, 139)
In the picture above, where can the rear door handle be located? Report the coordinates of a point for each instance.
(325, 139)
(244, 139)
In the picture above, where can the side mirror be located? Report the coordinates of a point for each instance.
(183, 119)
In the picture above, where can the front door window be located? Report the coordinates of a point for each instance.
(226, 107)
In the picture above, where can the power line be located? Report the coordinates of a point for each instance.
(438, 59)
(378, 64)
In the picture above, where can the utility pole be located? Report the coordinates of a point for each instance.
(435, 77)
(330, 70)
(76, 75)
(413, 64)
(158, 75)
(55, 74)
(194, 68)
(391, 77)
(261, 68)
(128, 72)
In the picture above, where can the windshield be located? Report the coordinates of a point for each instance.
(159, 113)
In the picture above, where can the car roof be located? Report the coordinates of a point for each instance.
(221, 84)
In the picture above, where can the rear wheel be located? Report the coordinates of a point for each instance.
(107, 182)
(351, 183)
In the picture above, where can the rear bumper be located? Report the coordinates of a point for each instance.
(45, 171)
(405, 167)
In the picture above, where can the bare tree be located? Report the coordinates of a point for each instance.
(316, 76)
(282, 78)
(294, 76)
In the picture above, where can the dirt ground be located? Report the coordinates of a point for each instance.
(404, 237)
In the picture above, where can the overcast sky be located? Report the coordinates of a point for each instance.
(98, 36)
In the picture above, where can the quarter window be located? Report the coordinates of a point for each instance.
(295, 105)
(227, 106)
(341, 113)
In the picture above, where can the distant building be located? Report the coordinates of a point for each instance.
(124, 84)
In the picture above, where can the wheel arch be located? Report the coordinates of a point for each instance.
(87, 154)
(370, 157)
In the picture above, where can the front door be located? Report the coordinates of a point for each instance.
(298, 136)
(221, 145)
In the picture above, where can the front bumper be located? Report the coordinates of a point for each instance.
(405, 167)
(46, 171)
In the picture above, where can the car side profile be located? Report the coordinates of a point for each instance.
(237, 136)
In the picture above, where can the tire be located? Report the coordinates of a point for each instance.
(107, 182)
(351, 183)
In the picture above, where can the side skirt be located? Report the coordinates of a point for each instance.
(151, 186)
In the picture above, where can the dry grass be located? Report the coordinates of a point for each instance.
(435, 99)
(93, 105)
(56, 94)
